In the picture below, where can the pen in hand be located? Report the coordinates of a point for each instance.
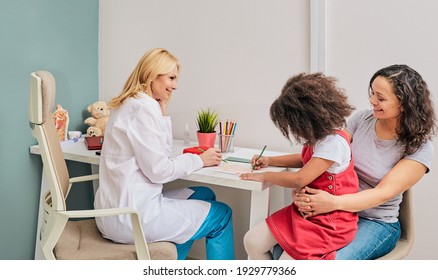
(255, 162)
(202, 150)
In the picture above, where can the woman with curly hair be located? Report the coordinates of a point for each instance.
(313, 111)
(392, 148)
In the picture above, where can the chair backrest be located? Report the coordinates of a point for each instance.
(41, 100)
(406, 218)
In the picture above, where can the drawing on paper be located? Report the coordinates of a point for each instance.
(234, 168)
(238, 168)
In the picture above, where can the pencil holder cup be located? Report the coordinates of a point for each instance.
(226, 143)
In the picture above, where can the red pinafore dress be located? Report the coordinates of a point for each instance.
(318, 237)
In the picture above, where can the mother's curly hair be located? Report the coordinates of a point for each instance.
(417, 122)
(310, 108)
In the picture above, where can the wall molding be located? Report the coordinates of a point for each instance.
(318, 36)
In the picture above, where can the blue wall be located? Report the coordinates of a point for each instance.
(60, 36)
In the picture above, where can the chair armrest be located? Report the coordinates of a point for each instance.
(80, 179)
(84, 178)
(97, 212)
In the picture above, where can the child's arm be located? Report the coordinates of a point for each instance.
(292, 160)
(307, 174)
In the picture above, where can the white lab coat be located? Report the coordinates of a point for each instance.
(135, 163)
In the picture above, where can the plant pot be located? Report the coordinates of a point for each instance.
(206, 139)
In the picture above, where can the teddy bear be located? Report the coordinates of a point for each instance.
(99, 117)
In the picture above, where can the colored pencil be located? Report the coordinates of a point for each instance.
(254, 165)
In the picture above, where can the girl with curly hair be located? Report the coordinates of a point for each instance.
(312, 110)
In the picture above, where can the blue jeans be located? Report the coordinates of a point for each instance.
(373, 240)
(217, 229)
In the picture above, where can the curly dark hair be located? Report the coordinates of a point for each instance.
(417, 123)
(310, 107)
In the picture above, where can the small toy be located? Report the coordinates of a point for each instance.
(61, 119)
(99, 117)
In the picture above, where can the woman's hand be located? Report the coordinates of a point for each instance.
(163, 105)
(312, 202)
(211, 157)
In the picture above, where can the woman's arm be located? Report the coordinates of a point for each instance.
(401, 177)
(149, 135)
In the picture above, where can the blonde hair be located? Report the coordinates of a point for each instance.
(155, 62)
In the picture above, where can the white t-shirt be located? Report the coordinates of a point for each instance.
(335, 148)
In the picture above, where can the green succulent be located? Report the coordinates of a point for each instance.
(207, 120)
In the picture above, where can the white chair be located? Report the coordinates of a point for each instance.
(73, 234)
(406, 217)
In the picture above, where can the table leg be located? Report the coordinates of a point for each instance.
(259, 209)
(95, 170)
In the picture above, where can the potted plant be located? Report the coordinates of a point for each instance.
(207, 120)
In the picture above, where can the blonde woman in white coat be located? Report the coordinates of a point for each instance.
(136, 161)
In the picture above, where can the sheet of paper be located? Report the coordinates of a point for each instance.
(243, 153)
(238, 168)
(236, 159)
(249, 153)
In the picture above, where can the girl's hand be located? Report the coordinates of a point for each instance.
(259, 163)
(211, 157)
(252, 176)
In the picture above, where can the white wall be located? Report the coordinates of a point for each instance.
(237, 54)
(364, 36)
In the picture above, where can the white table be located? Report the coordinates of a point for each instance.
(259, 201)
